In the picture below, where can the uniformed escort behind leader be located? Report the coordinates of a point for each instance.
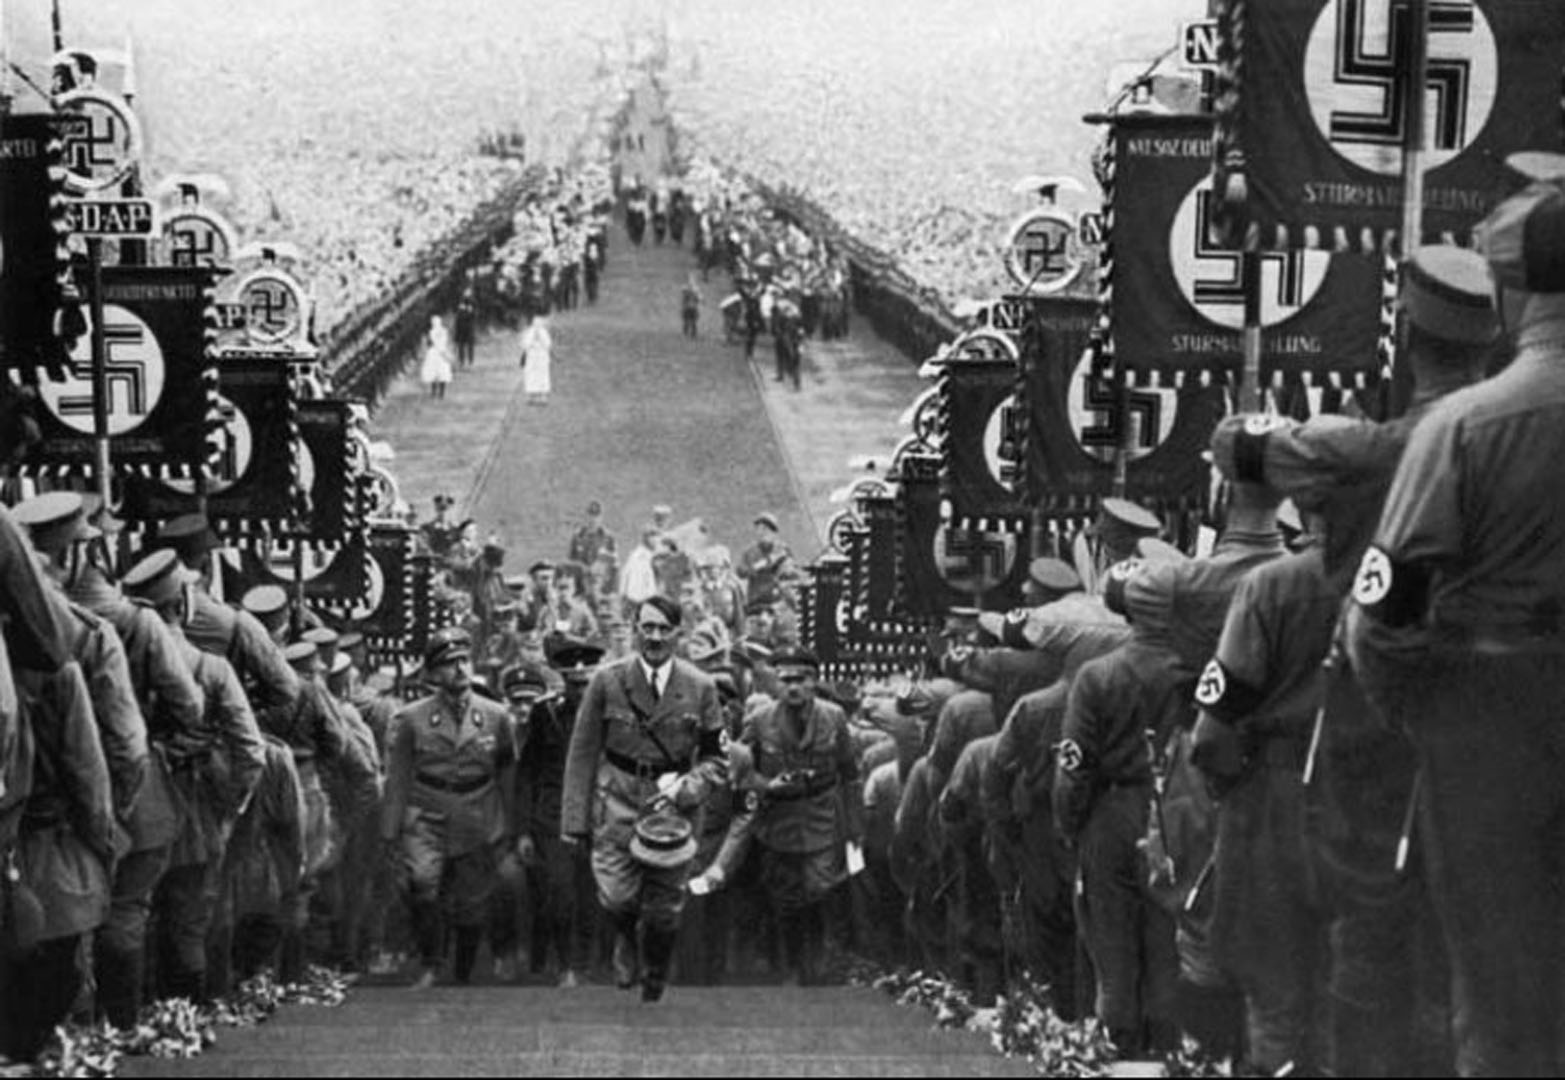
(450, 782)
(804, 755)
(647, 750)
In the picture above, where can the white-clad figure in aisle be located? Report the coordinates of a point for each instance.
(537, 360)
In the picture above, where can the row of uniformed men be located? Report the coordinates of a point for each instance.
(1302, 802)
(177, 783)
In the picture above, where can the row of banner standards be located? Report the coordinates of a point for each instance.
(1245, 255)
(173, 369)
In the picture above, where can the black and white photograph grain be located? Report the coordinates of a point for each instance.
(828, 538)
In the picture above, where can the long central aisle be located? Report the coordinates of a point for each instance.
(640, 415)
(594, 1031)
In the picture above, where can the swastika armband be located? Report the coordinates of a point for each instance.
(1391, 592)
(1250, 449)
(1069, 755)
(1225, 697)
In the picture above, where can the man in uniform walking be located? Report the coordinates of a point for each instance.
(1458, 633)
(214, 771)
(448, 811)
(646, 751)
(805, 761)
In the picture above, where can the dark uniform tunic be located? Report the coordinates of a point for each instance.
(800, 829)
(1102, 798)
(1458, 636)
(450, 785)
(625, 738)
(1268, 924)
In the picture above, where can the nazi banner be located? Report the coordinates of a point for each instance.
(978, 454)
(1076, 419)
(939, 568)
(1180, 296)
(161, 384)
(1315, 98)
(29, 261)
(252, 481)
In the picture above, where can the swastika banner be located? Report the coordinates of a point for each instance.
(324, 454)
(978, 471)
(1075, 419)
(827, 615)
(939, 568)
(29, 267)
(331, 576)
(252, 479)
(386, 612)
(161, 384)
(1179, 298)
(1313, 110)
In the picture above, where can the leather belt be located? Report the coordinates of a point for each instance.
(636, 767)
(452, 787)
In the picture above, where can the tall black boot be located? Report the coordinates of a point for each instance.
(425, 916)
(120, 973)
(467, 939)
(812, 944)
(790, 928)
(626, 952)
(657, 949)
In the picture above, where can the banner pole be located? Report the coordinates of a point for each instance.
(100, 370)
(1412, 231)
(1251, 396)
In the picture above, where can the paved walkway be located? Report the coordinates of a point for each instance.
(596, 1031)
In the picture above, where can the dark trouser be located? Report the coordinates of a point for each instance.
(119, 953)
(1490, 733)
(1383, 936)
(1129, 937)
(690, 317)
(977, 922)
(561, 886)
(186, 902)
(1267, 924)
(37, 990)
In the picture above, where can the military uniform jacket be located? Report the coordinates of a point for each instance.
(1471, 544)
(806, 817)
(620, 716)
(540, 772)
(216, 772)
(121, 729)
(171, 702)
(66, 836)
(452, 764)
(1114, 702)
(266, 853)
(1267, 675)
(38, 632)
(238, 637)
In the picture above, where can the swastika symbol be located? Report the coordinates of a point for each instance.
(974, 562)
(1227, 287)
(1212, 278)
(193, 242)
(136, 374)
(1043, 249)
(1359, 84)
(1213, 685)
(81, 151)
(271, 307)
(1100, 417)
(1373, 583)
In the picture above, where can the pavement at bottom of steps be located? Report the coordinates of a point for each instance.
(597, 1031)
